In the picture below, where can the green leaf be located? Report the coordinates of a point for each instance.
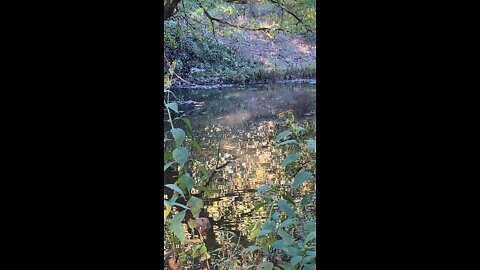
(306, 199)
(288, 142)
(176, 188)
(289, 159)
(259, 205)
(196, 205)
(292, 251)
(173, 199)
(205, 173)
(167, 203)
(179, 216)
(178, 136)
(300, 178)
(288, 199)
(269, 225)
(285, 265)
(231, 233)
(195, 253)
(186, 182)
(276, 216)
(181, 205)
(196, 145)
(254, 232)
(177, 229)
(168, 155)
(286, 223)
(250, 248)
(263, 189)
(295, 260)
(287, 237)
(176, 225)
(173, 106)
(166, 212)
(311, 145)
(187, 122)
(300, 129)
(165, 167)
(285, 208)
(283, 135)
(311, 236)
(279, 244)
(308, 259)
(205, 190)
(263, 233)
(265, 266)
(180, 155)
(312, 266)
(310, 227)
(191, 223)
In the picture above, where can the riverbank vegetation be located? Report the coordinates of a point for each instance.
(221, 42)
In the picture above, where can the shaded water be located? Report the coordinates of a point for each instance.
(236, 128)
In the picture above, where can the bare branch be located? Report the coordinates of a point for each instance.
(278, 4)
(234, 25)
(242, 2)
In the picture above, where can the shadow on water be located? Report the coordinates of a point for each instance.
(238, 125)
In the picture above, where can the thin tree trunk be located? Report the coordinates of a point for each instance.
(169, 7)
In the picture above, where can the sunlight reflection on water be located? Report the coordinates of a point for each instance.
(247, 122)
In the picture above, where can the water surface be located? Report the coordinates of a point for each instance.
(236, 128)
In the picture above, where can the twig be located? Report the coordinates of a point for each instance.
(238, 242)
(213, 29)
(216, 165)
(307, 27)
(218, 150)
(172, 243)
(169, 116)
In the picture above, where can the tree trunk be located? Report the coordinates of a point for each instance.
(168, 8)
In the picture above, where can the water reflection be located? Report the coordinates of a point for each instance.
(239, 125)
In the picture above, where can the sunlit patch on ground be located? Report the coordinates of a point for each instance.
(282, 50)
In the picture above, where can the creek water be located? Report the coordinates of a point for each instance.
(236, 129)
